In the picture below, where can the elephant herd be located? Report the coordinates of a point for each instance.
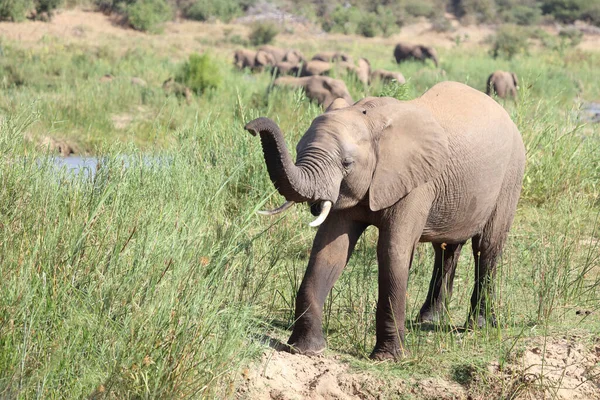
(292, 69)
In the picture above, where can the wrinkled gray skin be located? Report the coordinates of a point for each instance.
(387, 76)
(333, 56)
(443, 168)
(244, 58)
(322, 89)
(255, 60)
(362, 71)
(503, 84)
(286, 68)
(315, 67)
(293, 56)
(404, 51)
(277, 52)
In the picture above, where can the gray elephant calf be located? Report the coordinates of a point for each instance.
(503, 84)
(443, 168)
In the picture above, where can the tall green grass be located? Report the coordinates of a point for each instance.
(155, 278)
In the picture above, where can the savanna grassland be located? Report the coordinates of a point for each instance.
(155, 278)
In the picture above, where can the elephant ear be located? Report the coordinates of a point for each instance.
(412, 149)
(337, 104)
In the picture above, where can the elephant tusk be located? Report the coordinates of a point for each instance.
(324, 213)
(278, 210)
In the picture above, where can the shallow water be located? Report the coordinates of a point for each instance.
(591, 112)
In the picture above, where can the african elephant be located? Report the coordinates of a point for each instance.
(294, 56)
(332, 56)
(286, 68)
(503, 84)
(277, 52)
(404, 51)
(263, 60)
(323, 89)
(443, 168)
(315, 67)
(387, 76)
(362, 72)
(244, 58)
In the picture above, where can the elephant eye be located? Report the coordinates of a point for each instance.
(347, 162)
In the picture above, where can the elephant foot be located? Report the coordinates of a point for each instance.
(386, 354)
(306, 345)
(481, 321)
(429, 315)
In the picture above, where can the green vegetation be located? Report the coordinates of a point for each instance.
(155, 277)
(199, 73)
(263, 33)
(18, 10)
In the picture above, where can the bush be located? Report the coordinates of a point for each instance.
(570, 37)
(203, 10)
(421, 8)
(263, 33)
(368, 25)
(199, 73)
(18, 10)
(147, 15)
(480, 10)
(523, 14)
(509, 41)
(14, 10)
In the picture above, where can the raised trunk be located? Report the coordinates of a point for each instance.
(289, 180)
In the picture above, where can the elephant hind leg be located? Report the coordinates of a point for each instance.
(442, 279)
(487, 247)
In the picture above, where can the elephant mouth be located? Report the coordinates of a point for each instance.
(316, 208)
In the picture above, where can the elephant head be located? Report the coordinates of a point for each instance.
(429, 52)
(372, 153)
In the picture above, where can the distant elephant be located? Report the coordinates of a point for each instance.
(262, 60)
(403, 52)
(362, 72)
(294, 56)
(503, 84)
(286, 68)
(443, 168)
(332, 56)
(387, 76)
(315, 67)
(322, 89)
(277, 52)
(244, 58)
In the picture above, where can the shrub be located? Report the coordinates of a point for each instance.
(523, 14)
(14, 10)
(203, 10)
(18, 10)
(480, 10)
(421, 8)
(263, 33)
(147, 15)
(388, 23)
(368, 25)
(509, 41)
(199, 73)
(570, 37)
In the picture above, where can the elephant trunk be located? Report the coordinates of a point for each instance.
(289, 179)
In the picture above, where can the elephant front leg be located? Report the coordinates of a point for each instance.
(394, 256)
(332, 247)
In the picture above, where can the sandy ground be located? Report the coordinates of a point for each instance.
(558, 368)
